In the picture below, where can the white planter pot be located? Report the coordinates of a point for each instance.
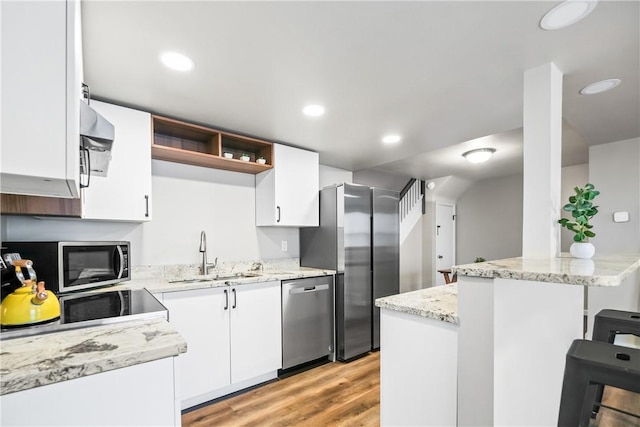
(582, 250)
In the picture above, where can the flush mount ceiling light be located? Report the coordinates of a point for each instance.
(391, 139)
(601, 86)
(479, 155)
(431, 185)
(567, 13)
(313, 110)
(177, 61)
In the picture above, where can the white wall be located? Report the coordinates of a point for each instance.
(489, 220)
(614, 169)
(330, 176)
(411, 259)
(489, 216)
(186, 200)
(572, 176)
(374, 178)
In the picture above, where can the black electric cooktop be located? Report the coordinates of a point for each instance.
(94, 308)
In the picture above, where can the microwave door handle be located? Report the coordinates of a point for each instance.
(120, 294)
(121, 261)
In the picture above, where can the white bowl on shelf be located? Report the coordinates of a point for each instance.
(261, 161)
(228, 155)
(245, 158)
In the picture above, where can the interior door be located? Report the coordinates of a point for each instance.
(445, 239)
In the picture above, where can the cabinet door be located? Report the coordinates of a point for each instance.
(287, 195)
(40, 98)
(256, 332)
(125, 193)
(200, 317)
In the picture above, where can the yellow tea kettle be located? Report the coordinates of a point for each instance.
(29, 304)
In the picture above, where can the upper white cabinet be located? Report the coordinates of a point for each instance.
(41, 89)
(287, 195)
(125, 193)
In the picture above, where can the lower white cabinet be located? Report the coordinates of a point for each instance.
(233, 335)
(138, 395)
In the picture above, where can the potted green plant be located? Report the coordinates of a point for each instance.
(582, 210)
(245, 157)
(479, 259)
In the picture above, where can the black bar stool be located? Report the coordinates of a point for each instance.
(590, 364)
(608, 324)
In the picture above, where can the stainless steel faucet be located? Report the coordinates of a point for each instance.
(204, 268)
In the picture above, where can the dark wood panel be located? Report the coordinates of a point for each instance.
(14, 204)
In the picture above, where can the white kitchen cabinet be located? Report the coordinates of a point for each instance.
(201, 318)
(41, 90)
(233, 335)
(138, 395)
(125, 193)
(287, 195)
(256, 330)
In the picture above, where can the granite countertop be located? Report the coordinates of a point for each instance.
(438, 302)
(185, 283)
(599, 271)
(39, 360)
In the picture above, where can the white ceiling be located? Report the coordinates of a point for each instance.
(440, 73)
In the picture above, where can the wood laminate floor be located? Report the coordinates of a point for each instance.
(339, 394)
(334, 394)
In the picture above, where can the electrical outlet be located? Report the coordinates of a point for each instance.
(284, 246)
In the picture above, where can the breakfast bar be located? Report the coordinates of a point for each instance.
(489, 350)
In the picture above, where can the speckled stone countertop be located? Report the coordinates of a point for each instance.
(438, 302)
(39, 360)
(190, 281)
(599, 271)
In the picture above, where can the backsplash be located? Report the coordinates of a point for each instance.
(184, 271)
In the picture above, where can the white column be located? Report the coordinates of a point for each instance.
(542, 161)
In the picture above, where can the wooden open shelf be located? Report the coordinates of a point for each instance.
(181, 142)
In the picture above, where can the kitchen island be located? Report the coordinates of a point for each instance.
(118, 374)
(491, 349)
(418, 378)
(518, 318)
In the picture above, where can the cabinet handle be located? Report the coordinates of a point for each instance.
(146, 202)
(226, 297)
(278, 207)
(235, 298)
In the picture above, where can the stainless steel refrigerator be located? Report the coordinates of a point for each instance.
(358, 237)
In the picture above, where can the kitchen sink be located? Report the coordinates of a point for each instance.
(216, 278)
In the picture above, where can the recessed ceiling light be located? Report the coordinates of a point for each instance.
(313, 110)
(479, 155)
(601, 86)
(177, 61)
(391, 139)
(567, 13)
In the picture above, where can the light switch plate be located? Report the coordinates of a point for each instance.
(621, 217)
(284, 246)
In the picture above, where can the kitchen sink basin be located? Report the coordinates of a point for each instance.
(215, 278)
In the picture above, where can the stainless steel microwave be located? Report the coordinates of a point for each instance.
(72, 266)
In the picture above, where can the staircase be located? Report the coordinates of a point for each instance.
(411, 206)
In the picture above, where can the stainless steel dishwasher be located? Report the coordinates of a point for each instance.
(307, 320)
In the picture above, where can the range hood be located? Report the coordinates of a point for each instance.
(96, 141)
